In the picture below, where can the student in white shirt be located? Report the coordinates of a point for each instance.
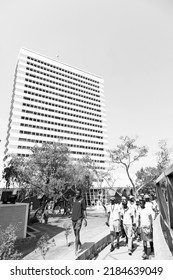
(113, 220)
(149, 205)
(128, 223)
(138, 209)
(146, 225)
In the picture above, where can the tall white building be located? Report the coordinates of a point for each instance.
(52, 100)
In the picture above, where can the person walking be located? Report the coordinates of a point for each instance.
(78, 215)
(146, 225)
(123, 234)
(113, 220)
(128, 223)
(138, 209)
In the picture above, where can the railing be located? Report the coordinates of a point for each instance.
(164, 190)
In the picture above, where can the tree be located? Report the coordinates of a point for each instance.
(81, 175)
(127, 153)
(48, 172)
(163, 156)
(146, 176)
(44, 171)
(145, 179)
(11, 172)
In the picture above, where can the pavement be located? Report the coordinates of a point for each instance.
(122, 252)
(95, 239)
(95, 231)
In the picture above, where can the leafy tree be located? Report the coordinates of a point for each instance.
(127, 153)
(44, 172)
(146, 176)
(48, 172)
(81, 175)
(163, 156)
(12, 171)
(101, 175)
(145, 179)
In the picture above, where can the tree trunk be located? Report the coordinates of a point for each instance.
(131, 181)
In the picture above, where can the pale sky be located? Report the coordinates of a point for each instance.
(129, 43)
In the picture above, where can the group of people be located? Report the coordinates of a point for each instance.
(132, 218)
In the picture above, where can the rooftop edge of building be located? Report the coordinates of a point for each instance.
(62, 63)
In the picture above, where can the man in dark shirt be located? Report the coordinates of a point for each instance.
(78, 215)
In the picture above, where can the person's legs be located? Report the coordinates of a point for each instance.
(112, 235)
(145, 255)
(152, 248)
(145, 247)
(118, 239)
(117, 229)
(77, 240)
(125, 231)
(123, 234)
(77, 227)
(129, 235)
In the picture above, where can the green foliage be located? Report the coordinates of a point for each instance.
(7, 244)
(127, 153)
(13, 172)
(44, 244)
(48, 172)
(68, 231)
(163, 156)
(146, 177)
(81, 174)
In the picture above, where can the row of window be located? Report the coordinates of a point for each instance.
(59, 118)
(56, 117)
(61, 131)
(96, 161)
(61, 124)
(62, 90)
(69, 145)
(60, 106)
(59, 84)
(61, 95)
(62, 69)
(35, 70)
(72, 152)
(62, 101)
(60, 79)
(62, 137)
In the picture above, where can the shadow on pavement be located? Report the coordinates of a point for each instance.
(27, 245)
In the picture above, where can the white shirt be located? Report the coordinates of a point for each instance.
(114, 210)
(149, 206)
(127, 215)
(144, 216)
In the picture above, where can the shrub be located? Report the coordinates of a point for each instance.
(7, 244)
(44, 244)
(68, 231)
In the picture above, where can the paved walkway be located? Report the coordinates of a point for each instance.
(122, 252)
(93, 234)
(162, 251)
(95, 230)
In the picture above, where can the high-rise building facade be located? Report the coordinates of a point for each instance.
(51, 101)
